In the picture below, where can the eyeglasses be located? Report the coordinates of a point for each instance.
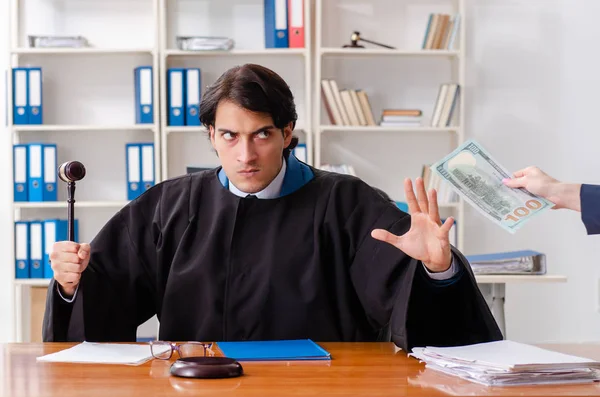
(164, 350)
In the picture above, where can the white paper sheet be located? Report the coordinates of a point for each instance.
(102, 353)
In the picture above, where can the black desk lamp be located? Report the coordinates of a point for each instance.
(355, 38)
(70, 172)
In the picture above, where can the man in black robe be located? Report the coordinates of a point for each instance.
(266, 247)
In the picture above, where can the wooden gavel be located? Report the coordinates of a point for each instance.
(70, 172)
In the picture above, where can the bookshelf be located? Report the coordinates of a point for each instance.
(185, 146)
(89, 103)
(88, 111)
(406, 77)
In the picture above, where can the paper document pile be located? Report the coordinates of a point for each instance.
(507, 363)
(514, 262)
(102, 353)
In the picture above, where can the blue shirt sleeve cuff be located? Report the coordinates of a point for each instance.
(447, 277)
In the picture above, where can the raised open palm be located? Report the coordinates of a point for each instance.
(427, 240)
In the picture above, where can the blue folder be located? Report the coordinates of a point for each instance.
(304, 349)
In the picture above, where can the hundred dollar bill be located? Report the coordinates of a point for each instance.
(477, 177)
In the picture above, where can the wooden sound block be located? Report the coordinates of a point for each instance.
(206, 368)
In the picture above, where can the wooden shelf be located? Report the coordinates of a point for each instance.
(82, 128)
(259, 52)
(63, 204)
(83, 51)
(377, 128)
(32, 282)
(387, 52)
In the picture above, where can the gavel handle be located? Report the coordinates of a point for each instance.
(71, 211)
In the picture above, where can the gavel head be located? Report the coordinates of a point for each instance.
(355, 38)
(71, 171)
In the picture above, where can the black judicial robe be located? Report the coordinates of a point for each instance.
(217, 267)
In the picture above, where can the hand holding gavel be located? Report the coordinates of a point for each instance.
(68, 258)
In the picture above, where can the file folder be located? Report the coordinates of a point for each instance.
(296, 23)
(193, 81)
(20, 91)
(21, 249)
(134, 176)
(50, 171)
(50, 237)
(175, 96)
(147, 165)
(35, 157)
(36, 249)
(276, 24)
(35, 107)
(20, 172)
(144, 107)
(300, 152)
(302, 349)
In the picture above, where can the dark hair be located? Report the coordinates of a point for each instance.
(256, 89)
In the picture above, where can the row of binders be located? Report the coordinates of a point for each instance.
(284, 23)
(184, 92)
(27, 95)
(33, 245)
(140, 168)
(34, 172)
(28, 98)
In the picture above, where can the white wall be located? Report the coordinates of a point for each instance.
(532, 79)
(532, 99)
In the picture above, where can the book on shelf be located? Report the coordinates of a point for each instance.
(511, 262)
(441, 32)
(401, 118)
(350, 107)
(339, 168)
(445, 105)
(445, 194)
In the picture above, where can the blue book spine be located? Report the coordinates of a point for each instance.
(50, 173)
(20, 172)
(36, 249)
(134, 170)
(20, 86)
(176, 96)
(193, 81)
(144, 106)
(35, 96)
(21, 249)
(147, 164)
(276, 24)
(35, 156)
(51, 235)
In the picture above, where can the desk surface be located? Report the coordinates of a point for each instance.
(357, 369)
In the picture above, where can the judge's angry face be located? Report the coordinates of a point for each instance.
(249, 146)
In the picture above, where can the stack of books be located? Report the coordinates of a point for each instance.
(401, 118)
(445, 105)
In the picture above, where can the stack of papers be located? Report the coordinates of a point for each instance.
(102, 353)
(508, 363)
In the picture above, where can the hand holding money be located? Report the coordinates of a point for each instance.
(536, 181)
(478, 178)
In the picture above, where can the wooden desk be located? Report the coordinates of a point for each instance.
(357, 369)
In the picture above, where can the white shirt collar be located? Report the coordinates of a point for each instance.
(271, 191)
